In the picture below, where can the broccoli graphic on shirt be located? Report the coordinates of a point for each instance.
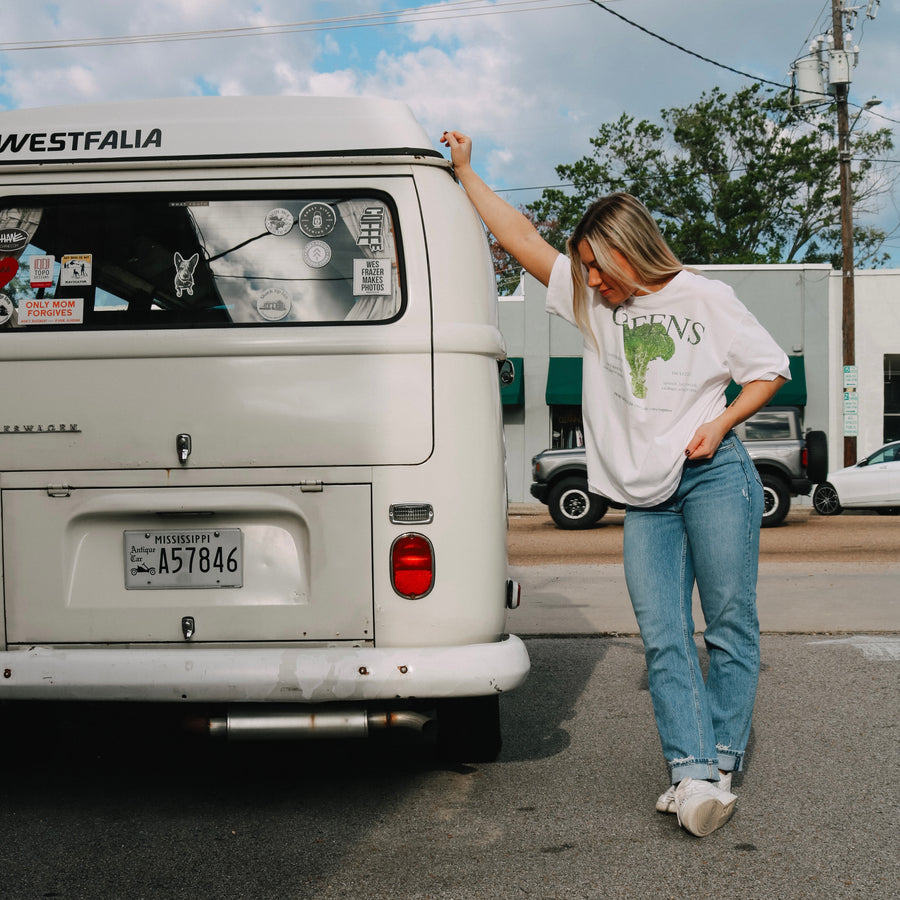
(643, 344)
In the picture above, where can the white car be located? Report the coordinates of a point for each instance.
(873, 483)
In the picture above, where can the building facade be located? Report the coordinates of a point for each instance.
(800, 305)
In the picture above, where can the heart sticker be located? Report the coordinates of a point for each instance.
(8, 269)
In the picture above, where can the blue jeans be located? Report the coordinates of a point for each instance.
(707, 531)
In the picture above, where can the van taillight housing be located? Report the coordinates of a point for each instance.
(412, 566)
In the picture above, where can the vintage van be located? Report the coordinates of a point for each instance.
(246, 346)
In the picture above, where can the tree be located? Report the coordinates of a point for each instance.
(744, 178)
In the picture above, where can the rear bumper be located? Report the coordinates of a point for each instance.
(285, 675)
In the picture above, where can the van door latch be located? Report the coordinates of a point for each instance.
(187, 627)
(183, 446)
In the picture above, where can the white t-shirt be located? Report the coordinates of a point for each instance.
(665, 361)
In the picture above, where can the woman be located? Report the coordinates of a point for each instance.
(661, 344)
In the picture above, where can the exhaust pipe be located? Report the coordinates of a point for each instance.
(274, 724)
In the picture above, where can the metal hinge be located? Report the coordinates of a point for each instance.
(311, 487)
(58, 490)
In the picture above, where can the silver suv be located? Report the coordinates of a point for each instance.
(789, 463)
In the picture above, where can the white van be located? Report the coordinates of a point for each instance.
(251, 448)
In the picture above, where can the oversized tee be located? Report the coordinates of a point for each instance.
(664, 361)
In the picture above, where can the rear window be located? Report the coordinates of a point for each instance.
(768, 426)
(152, 261)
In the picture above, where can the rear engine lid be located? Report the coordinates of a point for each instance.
(201, 565)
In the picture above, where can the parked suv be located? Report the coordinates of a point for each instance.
(789, 463)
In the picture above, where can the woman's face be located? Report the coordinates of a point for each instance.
(612, 292)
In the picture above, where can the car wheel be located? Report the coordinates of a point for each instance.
(816, 456)
(573, 506)
(468, 729)
(825, 500)
(777, 500)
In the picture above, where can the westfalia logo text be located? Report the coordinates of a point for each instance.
(71, 141)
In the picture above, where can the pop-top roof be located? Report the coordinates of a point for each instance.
(212, 128)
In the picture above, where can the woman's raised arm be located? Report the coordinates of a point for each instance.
(513, 231)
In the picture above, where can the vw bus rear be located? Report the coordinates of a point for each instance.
(245, 343)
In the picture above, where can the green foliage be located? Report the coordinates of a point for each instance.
(731, 179)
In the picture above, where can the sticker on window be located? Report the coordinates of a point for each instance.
(184, 274)
(274, 304)
(371, 277)
(279, 221)
(317, 254)
(316, 220)
(41, 271)
(9, 268)
(52, 311)
(6, 309)
(75, 269)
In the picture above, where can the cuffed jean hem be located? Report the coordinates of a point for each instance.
(698, 769)
(730, 760)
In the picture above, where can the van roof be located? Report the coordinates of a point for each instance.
(212, 128)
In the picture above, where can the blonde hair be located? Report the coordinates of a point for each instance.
(619, 222)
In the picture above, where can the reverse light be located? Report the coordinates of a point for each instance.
(412, 566)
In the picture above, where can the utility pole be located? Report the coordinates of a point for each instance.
(848, 306)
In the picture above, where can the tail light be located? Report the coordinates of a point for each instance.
(804, 457)
(412, 566)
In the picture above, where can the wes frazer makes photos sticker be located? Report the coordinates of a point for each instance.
(75, 269)
(371, 277)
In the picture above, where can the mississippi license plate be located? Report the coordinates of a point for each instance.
(189, 558)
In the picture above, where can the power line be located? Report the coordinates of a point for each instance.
(659, 37)
(428, 13)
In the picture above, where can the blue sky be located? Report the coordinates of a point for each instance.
(530, 80)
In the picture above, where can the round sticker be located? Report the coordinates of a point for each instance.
(279, 221)
(6, 309)
(273, 304)
(317, 254)
(316, 220)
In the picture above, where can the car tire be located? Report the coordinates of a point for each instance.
(572, 506)
(825, 500)
(468, 729)
(777, 498)
(816, 456)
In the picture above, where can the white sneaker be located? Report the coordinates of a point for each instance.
(702, 807)
(666, 802)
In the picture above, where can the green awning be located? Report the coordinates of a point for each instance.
(513, 394)
(564, 381)
(791, 394)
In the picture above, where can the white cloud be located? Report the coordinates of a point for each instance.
(530, 87)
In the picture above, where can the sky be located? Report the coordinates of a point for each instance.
(529, 80)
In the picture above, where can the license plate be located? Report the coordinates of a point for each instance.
(190, 558)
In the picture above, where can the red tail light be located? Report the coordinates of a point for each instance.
(412, 566)
(804, 457)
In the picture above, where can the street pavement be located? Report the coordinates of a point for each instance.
(800, 591)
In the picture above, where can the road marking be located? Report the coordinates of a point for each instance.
(872, 647)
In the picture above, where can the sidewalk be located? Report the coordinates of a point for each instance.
(846, 598)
